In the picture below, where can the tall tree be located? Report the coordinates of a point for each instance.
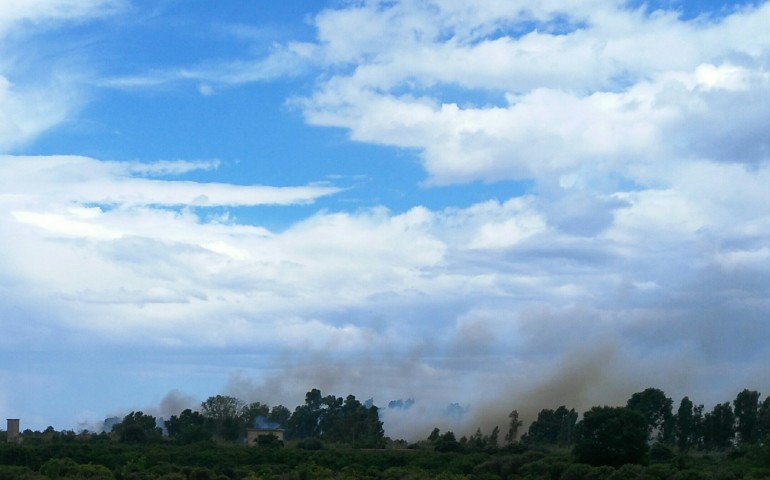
(719, 427)
(656, 408)
(221, 406)
(513, 427)
(352, 422)
(746, 408)
(224, 416)
(334, 419)
(447, 443)
(305, 422)
(552, 427)
(138, 427)
(763, 420)
(188, 427)
(279, 415)
(254, 414)
(611, 436)
(493, 439)
(685, 425)
(698, 425)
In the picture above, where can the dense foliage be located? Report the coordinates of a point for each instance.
(331, 437)
(323, 418)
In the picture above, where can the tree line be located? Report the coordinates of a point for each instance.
(342, 438)
(225, 418)
(646, 425)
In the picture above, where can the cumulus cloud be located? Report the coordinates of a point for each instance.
(152, 272)
(614, 87)
(638, 257)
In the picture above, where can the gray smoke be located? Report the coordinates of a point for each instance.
(175, 402)
(441, 394)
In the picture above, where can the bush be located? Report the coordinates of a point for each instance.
(19, 473)
(661, 453)
(269, 441)
(628, 472)
(691, 475)
(546, 468)
(600, 473)
(95, 472)
(577, 471)
(659, 472)
(60, 468)
(310, 444)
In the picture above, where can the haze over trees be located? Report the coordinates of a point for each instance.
(602, 435)
(334, 437)
(226, 418)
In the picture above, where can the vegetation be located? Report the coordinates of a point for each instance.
(330, 437)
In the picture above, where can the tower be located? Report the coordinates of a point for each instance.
(13, 431)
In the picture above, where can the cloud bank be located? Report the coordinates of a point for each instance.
(638, 258)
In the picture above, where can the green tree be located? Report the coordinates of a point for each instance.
(719, 427)
(304, 422)
(685, 425)
(360, 424)
(279, 415)
(746, 409)
(336, 420)
(476, 442)
(252, 413)
(656, 408)
(223, 414)
(138, 427)
(221, 406)
(350, 421)
(698, 425)
(330, 413)
(763, 419)
(188, 427)
(513, 427)
(447, 443)
(95, 472)
(611, 436)
(60, 468)
(552, 427)
(492, 440)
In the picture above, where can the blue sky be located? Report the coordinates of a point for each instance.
(505, 205)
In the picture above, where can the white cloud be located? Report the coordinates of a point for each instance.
(89, 181)
(290, 60)
(18, 14)
(617, 88)
(38, 95)
(144, 265)
(646, 225)
(28, 111)
(454, 299)
(104, 239)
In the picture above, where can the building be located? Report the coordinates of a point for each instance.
(13, 431)
(253, 434)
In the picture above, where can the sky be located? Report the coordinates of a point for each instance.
(507, 204)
